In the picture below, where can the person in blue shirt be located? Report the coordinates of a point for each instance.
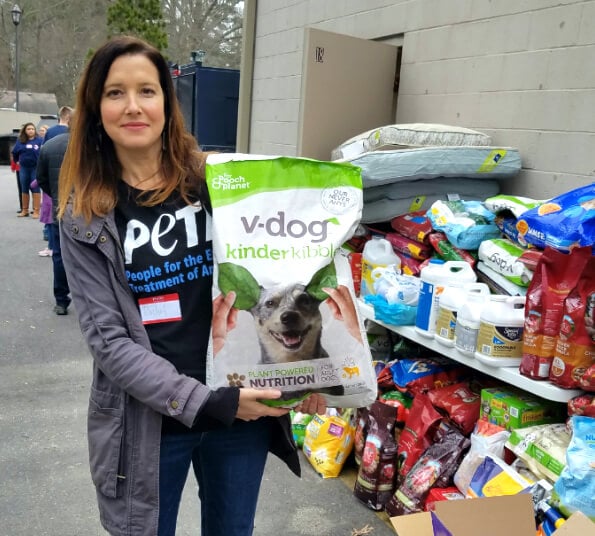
(64, 116)
(26, 152)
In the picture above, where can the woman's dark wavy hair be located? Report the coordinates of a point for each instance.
(90, 172)
(22, 137)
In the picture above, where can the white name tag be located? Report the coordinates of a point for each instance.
(157, 309)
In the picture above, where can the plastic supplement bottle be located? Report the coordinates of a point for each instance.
(449, 305)
(378, 253)
(434, 278)
(500, 337)
(468, 320)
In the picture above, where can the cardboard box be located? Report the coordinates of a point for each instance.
(512, 409)
(510, 515)
(578, 524)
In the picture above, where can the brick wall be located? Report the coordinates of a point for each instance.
(523, 72)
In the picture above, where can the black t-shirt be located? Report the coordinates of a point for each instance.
(169, 267)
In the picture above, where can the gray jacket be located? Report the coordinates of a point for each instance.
(124, 419)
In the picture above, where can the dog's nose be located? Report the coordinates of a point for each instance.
(289, 317)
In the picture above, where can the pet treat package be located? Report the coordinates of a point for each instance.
(328, 442)
(278, 227)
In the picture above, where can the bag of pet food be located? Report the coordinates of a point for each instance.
(360, 433)
(442, 494)
(564, 222)
(466, 224)
(516, 205)
(327, 443)
(575, 489)
(418, 434)
(278, 227)
(556, 275)
(575, 347)
(435, 467)
(460, 402)
(415, 376)
(493, 478)
(583, 404)
(413, 248)
(487, 438)
(502, 256)
(587, 380)
(375, 481)
(414, 225)
(449, 252)
(542, 448)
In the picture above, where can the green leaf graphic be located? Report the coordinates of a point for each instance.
(233, 277)
(325, 277)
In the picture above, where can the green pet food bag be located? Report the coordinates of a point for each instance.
(278, 227)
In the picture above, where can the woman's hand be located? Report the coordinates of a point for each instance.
(343, 308)
(315, 404)
(250, 406)
(224, 319)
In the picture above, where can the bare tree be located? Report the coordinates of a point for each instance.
(55, 37)
(214, 26)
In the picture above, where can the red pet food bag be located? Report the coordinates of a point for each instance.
(418, 433)
(405, 245)
(556, 275)
(575, 346)
(582, 405)
(414, 225)
(361, 430)
(374, 485)
(435, 467)
(460, 403)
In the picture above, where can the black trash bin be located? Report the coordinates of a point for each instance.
(7, 142)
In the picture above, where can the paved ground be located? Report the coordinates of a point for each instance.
(45, 488)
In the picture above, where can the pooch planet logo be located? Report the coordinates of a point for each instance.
(227, 182)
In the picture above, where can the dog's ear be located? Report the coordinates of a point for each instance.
(254, 309)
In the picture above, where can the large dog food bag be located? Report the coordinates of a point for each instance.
(278, 227)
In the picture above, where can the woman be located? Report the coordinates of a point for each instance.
(26, 152)
(132, 209)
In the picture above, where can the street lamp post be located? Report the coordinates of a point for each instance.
(16, 13)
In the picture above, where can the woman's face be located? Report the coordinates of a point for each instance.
(132, 104)
(30, 131)
(42, 130)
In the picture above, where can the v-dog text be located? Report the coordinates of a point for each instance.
(276, 226)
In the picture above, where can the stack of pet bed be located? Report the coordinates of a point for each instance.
(408, 167)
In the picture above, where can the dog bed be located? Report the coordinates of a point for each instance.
(382, 203)
(408, 135)
(385, 167)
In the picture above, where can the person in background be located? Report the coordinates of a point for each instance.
(133, 201)
(64, 116)
(14, 167)
(48, 174)
(26, 152)
(45, 212)
(41, 131)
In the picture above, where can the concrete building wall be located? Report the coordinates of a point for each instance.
(521, 71)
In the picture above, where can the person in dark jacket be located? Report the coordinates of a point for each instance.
(133, 212)
(48, 172)
(25, 152)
